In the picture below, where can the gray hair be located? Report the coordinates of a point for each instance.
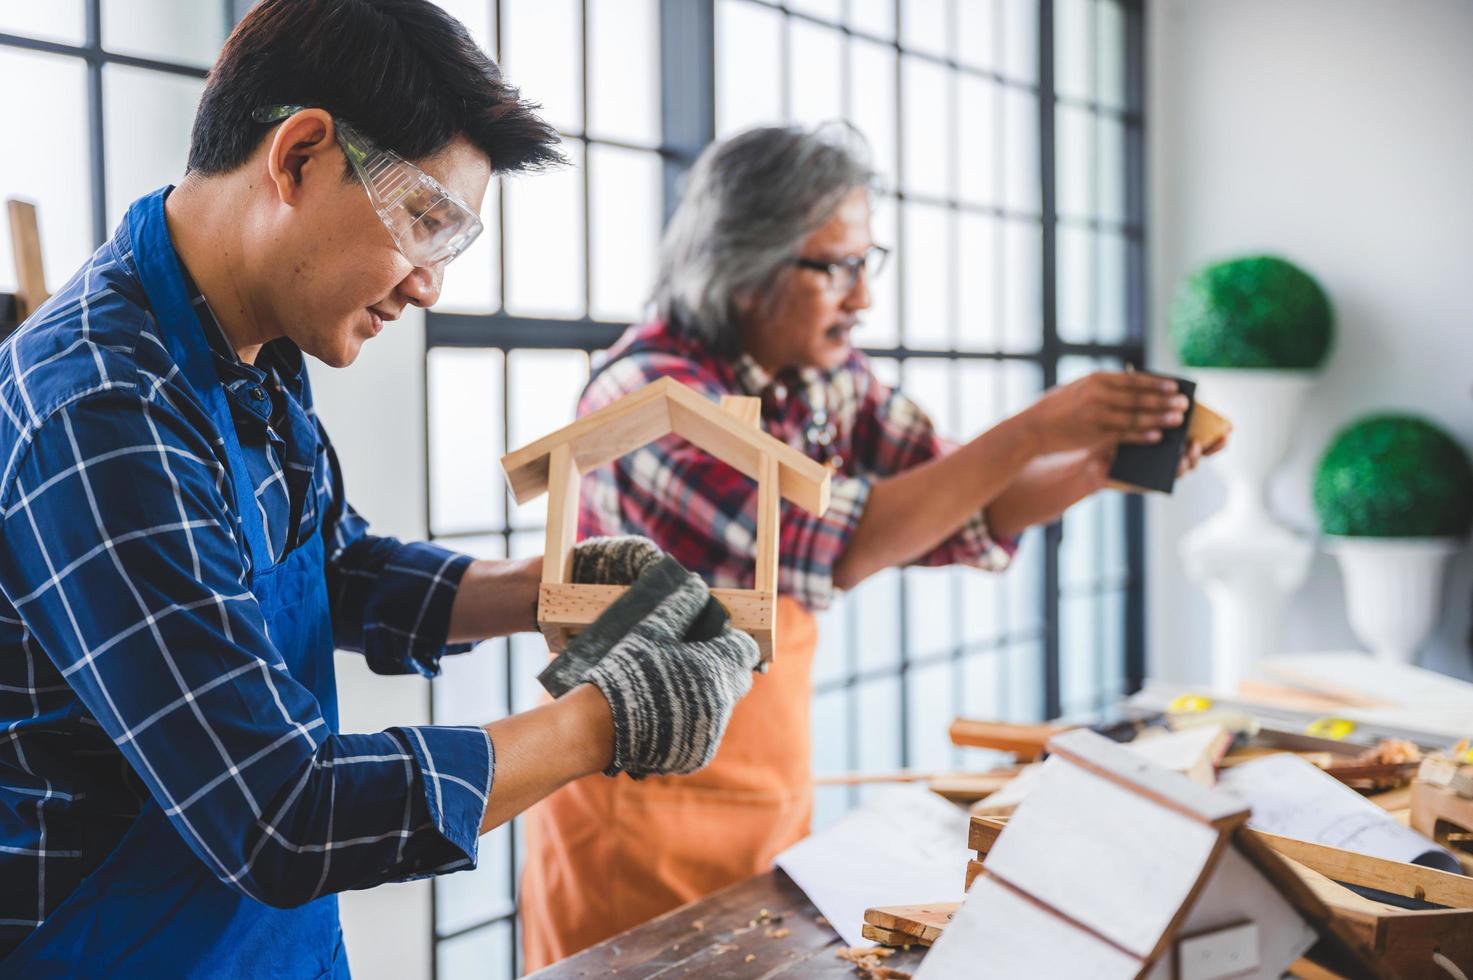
(748, 203)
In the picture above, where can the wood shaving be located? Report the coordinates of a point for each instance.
(772, 933)
(750, 957)
(868, 962)
(699, 925)
(721, 949)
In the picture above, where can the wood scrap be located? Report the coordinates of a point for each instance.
(869, 962)
(1024, 741)
(1393, 877)
(921, 924)
(25, 242)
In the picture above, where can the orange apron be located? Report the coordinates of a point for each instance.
(604, 855)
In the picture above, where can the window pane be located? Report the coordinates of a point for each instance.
(930, 611)
(544, 241)
(471, 689)
(815, 68)
(983, 620)
(976, 32)
(933, 703)
(874, 17)
(927, 276)
(171, 30)
(979, 300)
(465, 898)
(877, 600)
(923, 26)
(626, 188)
(879, 326)
(472, 283)
(624, 70)
(1023, 285)
(745, 97)
(872, 103)
(1111, 314)
(985, 685)
(529, 656)
(831, 660)
(1078, 653)
(1020, 39)
(878, 747)
(1076, 170)
(1025, 681)
(149, 148)
(1075, 284)
(56, 20)
(1072, 58)
(830, 729)
(1110, 54)
(926, 124)
(485, 954)
(57, 181)
(541, 50)
(929, 382)
(478, 16)
(467, 489)
(980, 147)
(1079, 551)
(544, 390)
(828, 10)
(1110, 152)
(1020, 145)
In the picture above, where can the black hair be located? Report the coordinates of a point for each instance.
(404, 72)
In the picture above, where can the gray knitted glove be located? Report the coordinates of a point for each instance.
(671, 698)
(613, 560)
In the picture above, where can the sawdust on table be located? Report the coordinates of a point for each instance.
(869, 962)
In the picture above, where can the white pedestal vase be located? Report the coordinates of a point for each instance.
(1393, 589)
(1246, 561)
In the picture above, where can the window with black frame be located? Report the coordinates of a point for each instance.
(1007, 135)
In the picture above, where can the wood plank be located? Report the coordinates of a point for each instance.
(922, 923)
(768, 514)
(1116, 763)
(25, 243)
(1395, 877)
(1437, 812)
(571, 607)
(984, 831)
(1027, 742)
(974, 869)
(889, 937)
(562, 517)
(971, 787)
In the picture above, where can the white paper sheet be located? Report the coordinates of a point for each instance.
(905, 846)
(1292, 798)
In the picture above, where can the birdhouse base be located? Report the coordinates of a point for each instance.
(565, 609)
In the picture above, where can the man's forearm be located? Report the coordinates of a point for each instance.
(495, 598)
(541, 750)
(1048, 486)
(910, 513)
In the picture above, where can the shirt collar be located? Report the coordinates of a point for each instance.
(280, 355)
(754, 379)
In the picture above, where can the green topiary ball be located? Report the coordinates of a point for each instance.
(1259, 311)
(1394, 476)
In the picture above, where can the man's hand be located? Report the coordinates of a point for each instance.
(613, 560)
(1196, 452)
(671, 698)
(1104, 409)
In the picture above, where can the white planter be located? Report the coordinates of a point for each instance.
(1393, 589)
(1246, 561)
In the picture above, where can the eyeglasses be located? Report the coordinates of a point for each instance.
(844, 273)
(429, 223)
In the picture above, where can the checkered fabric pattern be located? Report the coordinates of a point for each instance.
(135, 662)
(704, 512)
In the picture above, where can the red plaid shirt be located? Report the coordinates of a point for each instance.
(703, 511)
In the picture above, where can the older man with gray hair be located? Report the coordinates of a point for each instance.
(764, 272)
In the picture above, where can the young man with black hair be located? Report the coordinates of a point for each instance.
(178, 560)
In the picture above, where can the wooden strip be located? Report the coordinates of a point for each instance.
(570, 608)
(634, 421)
(25, 242)
(984, 831)
(1205, 426)
(744, 408)
(888, 937)
(1396, 877)
(974, 868)
(1027, 742)
(767, 526)
(562, 517)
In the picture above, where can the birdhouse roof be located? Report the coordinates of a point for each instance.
(654, 411)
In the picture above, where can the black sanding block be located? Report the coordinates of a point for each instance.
(1153, 467)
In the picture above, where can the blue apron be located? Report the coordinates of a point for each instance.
(153, 908)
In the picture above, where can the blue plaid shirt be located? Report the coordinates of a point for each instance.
(136, 663)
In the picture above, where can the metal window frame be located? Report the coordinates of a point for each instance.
(687, 42)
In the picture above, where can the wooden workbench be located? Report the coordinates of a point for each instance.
(716, 937)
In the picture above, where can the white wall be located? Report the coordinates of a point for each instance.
(1335, 132)
(374, 413)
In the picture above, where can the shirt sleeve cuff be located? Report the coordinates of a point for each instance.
(976, 546)
(408, 618)
(820, 542)
(456, 766)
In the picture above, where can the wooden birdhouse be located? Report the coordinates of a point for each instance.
(730, 432)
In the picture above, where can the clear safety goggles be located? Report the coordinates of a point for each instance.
(429, 224)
